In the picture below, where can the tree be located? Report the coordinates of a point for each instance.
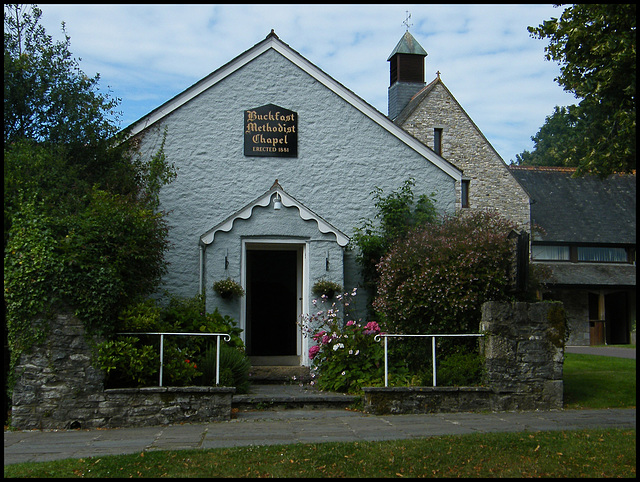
(595, 45)
(47, 97)
(556, 140)
(82, 226)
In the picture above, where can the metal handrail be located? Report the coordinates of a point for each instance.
(433, 349)
(227, 337)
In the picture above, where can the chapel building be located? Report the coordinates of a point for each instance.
(277, 162)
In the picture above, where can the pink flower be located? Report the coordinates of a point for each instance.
(313, 351)
(371, 328)
(318, 335)
(351, 322)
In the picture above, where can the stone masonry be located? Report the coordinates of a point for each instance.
(523, 347)
(58, 387)
(491, 185)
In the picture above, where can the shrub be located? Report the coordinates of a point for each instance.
(234, 367)
(436, 279)
(134, 361)
(459, 369)
(398, 213)
(346, 355)
(127, 364)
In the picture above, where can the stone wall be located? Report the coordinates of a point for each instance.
(523, 347)
(57, 387)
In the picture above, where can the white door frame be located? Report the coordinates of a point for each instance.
(276, 244)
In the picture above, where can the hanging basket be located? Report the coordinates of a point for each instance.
(228, 289)
(326, 288)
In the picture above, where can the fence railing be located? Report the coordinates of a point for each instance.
(225, 336)
(386, 336)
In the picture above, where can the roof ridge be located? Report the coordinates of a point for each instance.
(543, 168)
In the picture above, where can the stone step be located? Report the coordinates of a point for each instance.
(276, 397)
(263, 375)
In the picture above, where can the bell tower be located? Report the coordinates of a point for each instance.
(406, 73)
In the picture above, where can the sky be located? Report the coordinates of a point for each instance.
(147, 54)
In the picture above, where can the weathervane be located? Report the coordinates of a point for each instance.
(406, 22)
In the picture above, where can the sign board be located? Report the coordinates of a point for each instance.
(270, 131)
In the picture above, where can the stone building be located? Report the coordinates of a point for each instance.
(584, 233)
(434, 117)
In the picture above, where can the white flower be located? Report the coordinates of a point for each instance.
(343, 373)
(337, 346)
(357, 352)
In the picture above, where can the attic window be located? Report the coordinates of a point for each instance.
(437, 140)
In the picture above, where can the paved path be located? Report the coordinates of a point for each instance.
(295, 426)
(288, 426)
(615, 351)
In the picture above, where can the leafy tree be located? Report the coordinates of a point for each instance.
(595, 45)
(82, 229)
(556, 141)
(397, 214)
(47, 97)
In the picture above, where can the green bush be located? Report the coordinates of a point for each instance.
(397, 213)
(459, 370)
(127, 359)
(129, 364)
(234, 367)
(436, 279)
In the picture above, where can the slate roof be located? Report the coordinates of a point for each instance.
(408, 45)
(580, 209)
(592, 275)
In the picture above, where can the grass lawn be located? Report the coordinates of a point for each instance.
(590, 382)
(599, 381)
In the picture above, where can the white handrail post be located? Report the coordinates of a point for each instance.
(386, 367)
(433, 358)
(217, 360)
(161, 355)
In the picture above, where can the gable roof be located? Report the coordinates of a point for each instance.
(287, 201)
(273, 42)
(580, 209)
(421, 95)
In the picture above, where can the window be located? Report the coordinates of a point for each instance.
(579, 254)
(602, 255)
(464, 193)
(437, 140)
(550, 253)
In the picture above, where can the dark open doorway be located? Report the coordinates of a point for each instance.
(272, 302)
(616, 307)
